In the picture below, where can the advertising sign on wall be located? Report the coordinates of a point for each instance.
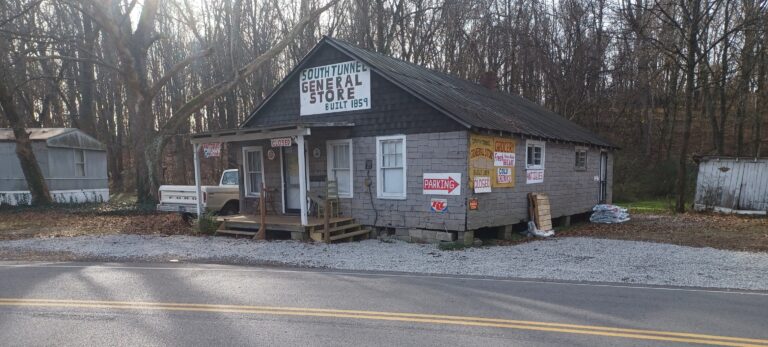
(482, 184)
(335, 88)
(490, 156)
(438, 205)
(534, 176)
(442, 184)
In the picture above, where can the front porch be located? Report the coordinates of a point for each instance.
(340, 228)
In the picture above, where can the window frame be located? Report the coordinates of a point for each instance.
(380, 194)
(246, 173)
(83, 163)
(533, 144)
(577, 151)
(330, 169)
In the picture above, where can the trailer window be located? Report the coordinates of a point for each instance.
(80, 163)
(534, 154)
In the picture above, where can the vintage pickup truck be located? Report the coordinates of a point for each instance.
(223, 199)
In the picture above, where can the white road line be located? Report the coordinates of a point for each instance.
(228, 268)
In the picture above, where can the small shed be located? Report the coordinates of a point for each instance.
(73, 163)
(732, 184)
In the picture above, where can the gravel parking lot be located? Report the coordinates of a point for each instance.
(572, 258)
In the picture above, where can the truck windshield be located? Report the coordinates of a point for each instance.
(229, 178)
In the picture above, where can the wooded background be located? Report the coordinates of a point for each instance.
(665, 80)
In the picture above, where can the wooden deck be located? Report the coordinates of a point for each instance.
(340, 227)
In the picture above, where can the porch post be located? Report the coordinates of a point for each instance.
(198, 191)
(302, 179)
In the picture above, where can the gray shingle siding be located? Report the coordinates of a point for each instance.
(570, 191)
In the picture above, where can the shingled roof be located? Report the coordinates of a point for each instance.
(468, 103)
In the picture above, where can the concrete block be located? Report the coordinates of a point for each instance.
(505, 232)
(444, 236)
(299, 236)
(429, 235)
(468, 237)
(415, 233)
(402, 232)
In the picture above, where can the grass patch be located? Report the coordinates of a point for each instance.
(661, 205)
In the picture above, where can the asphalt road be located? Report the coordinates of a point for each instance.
(190, 304)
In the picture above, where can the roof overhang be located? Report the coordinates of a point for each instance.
(261, 133)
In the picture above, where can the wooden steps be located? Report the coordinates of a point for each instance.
(341, 229)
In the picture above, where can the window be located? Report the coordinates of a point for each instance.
(534, 154)
(229, 178)
(581, 158)
(80, 163)
(254, 175)
(391, 167)
(340, 165)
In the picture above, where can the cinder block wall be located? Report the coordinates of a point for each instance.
(570, 191)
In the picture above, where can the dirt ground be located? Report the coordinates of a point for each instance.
(55, 222)
(689, 229)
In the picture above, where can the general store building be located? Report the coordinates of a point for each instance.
(420, 153)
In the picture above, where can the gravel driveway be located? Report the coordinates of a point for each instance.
(575, 258)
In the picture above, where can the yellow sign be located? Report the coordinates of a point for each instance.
(492, 157)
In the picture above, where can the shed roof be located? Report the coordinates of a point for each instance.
(468, 103)
(35, 134)
(57, 137)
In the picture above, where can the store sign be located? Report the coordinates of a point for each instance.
(473, 204)
(442, 183)
(211, 150)
(503, 159)
(282, 142)
(338, 87)
(438, 205)
(534, 176)
(482, 184)
(488, 155)
(504, 175)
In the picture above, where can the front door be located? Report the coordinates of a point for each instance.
(291, 179)
(603, 174)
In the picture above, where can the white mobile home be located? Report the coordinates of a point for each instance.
(74, 166)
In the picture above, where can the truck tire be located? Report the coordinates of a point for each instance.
(230, 208)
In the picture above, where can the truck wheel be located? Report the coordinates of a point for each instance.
(230, 208)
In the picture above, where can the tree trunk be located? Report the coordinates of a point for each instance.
(29, 165)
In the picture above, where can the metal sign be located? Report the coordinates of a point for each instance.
(438, 205)
(473, 204)
(338, 87)
(282, 142)
(211, 150)
(442, 183)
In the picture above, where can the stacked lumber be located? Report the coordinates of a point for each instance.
(540, 213)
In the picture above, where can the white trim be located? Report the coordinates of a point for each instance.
(329, 164)
(302, 179)
(379, 187)
(24, 197)
(246, 176)
(543, 146)
(282, 180)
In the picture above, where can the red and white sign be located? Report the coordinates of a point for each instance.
(442, 183)
(211, 150)
(438, 205)
(282, 142)
(482, 184)
(503, 159)
(534, 176)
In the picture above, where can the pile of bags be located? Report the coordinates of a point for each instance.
(609, 214)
